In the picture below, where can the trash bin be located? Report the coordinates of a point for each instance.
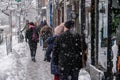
(1, 35)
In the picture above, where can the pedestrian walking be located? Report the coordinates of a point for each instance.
(66, 51)
(39, 28)
(45, 32)
(33, 38)
(50, 41)
(26, 27)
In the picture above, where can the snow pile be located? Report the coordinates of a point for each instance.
(11, 65)
(6, 65)
(4, 26)
(95, 73)
(84, 75)
(3, 50)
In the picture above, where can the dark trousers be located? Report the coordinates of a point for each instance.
(33, 47)
(44, 43)
(33, 52)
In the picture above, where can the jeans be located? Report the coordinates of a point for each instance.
(41, 41)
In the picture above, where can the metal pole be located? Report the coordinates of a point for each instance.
(10, 22)
(19, 26)
(109, 45)
(92, 32)
(83, 22)
(97, 29)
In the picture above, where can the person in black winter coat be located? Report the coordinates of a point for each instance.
(66, 51)
(31, 42)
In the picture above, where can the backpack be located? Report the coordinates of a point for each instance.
(35, 36)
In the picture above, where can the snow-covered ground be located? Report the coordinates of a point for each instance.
(9, 62)
(17, 65)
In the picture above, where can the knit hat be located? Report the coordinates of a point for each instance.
(69, 24)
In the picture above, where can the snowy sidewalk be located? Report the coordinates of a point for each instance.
(18, 65)
(39, 70)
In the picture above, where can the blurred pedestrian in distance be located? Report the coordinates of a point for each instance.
(40, 38)
(40, 26)
(33, 37)
(38, 29)
(45, 22)
(45, 32)
(26, 27)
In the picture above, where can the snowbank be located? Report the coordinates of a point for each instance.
(4, 26)
(6, 65)
(84, 75)
(95, 73)
(11, 67)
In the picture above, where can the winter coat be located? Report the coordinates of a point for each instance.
(50, 42)
(46, 32)
(67, 50)
(29, 33)
(25, 28)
